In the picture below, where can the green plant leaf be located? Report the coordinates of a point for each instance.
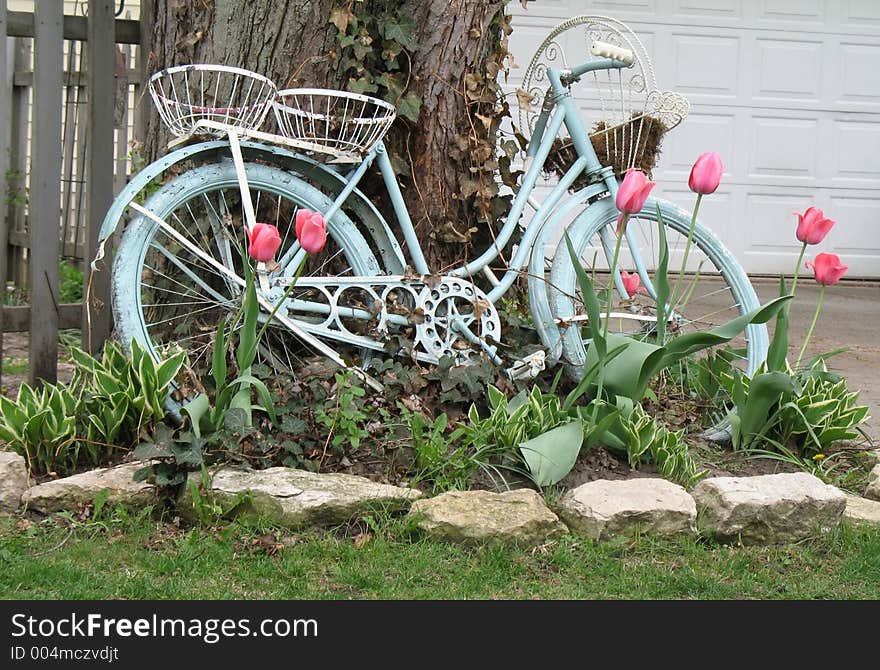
(262, 393)
(551, 455)
(591, 302)
(195, 409)
(765, 390)
(168, 370)
(247, 334)
(690, 343)
(218, 359)
(409, 107)
(661, 280)
(623, 370)
(778, 351)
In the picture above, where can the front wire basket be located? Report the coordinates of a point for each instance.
(342, 124)
(188, 94)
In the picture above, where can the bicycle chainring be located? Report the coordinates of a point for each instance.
(453, 299)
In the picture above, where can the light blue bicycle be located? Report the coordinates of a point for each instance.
(178, 270)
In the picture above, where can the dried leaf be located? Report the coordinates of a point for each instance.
(524, 98)
(341, 17)
(361, 539)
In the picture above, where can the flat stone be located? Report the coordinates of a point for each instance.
(872, 492)
(68, 493)
(296, 498)
(13, 481)
(768, 509)
(862, 511)
(603, 509)
(477, 517)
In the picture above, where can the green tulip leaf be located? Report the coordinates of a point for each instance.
(551, 455)
(591, 302)
(778, 351)
(765, 390)
(195, 409)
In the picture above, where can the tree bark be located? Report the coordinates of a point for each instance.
(453, 39)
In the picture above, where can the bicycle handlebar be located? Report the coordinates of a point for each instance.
(613, 52)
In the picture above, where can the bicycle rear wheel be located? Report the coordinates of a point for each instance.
(164, 294)
(714, 288)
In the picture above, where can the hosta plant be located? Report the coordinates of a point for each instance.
(824, 412)
(105, 408)
(41, 427)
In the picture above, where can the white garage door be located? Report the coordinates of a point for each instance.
(786, 91)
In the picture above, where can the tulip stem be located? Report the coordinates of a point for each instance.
(687, 250)
(283, 298)
(797, 270)
(812, 326)
(601, 383)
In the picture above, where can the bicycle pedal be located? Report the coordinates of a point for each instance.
(528, 367)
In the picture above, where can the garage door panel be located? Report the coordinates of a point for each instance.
(855, 238)
(727, 9)
(705, 65)
(860, 14)
(806, 12)
(783, 147)
(859, 79)
(698, 133)
(788, 69)
(857, 154)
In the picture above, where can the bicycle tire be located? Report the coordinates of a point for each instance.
(196, 198)
(725, 271)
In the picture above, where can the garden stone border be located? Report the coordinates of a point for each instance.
(298, 498)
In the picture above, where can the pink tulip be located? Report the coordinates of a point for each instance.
(827, 269)
(632, 283)
(633, 191)
(813, 226)
(311, 230)
(263, 242)
(706, 173)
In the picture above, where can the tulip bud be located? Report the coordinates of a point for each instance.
(633, 192)
(813, 226)
(706, 173)
(263, 242)
(632, 283)
(311, 230)
(827, 269)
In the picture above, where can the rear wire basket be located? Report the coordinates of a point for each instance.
(187, 94)
(344, 125)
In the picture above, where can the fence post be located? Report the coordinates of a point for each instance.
(18, 144)
(5, 130)
(101, 89)
(45, 198)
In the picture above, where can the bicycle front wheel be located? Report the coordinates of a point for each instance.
(166, 294)
(713, 289)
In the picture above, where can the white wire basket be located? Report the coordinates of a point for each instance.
(344, 125)
(188, 94)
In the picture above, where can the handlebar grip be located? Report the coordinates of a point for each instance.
(606, 50)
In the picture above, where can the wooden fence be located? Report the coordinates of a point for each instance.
(68, 87)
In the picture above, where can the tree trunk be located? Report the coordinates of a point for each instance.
(294, 43)
(454, 41)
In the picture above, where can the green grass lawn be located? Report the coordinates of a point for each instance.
(122, 557)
